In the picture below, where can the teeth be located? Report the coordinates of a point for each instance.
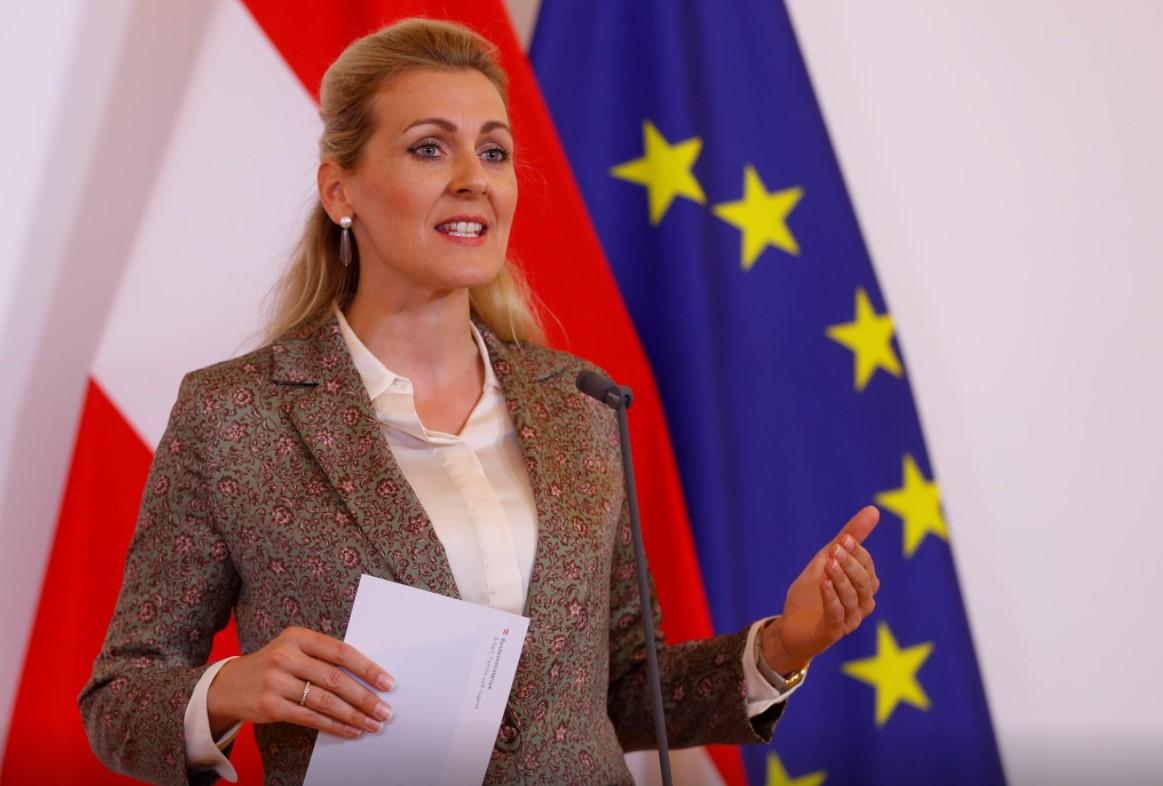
(462, 228)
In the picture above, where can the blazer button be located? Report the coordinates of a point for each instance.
(509, 735)
(508, 738)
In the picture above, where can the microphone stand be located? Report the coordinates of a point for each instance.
(618, 399)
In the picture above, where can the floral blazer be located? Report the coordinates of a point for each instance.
(273, 490)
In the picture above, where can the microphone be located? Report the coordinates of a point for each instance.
(618, 399)
(602, 388)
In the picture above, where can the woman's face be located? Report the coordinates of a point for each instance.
(434, 193)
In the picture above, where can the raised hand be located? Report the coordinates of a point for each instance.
(827, 601)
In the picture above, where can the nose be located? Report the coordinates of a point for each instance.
(469, 177)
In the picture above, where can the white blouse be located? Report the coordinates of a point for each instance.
(475, 490)
(472, 485)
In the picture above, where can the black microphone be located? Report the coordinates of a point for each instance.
(603, 389)
(618, 399)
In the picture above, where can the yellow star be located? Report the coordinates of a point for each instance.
(918, 504)
(762, 217)
(893, 672)
(665, 170)
(777, 775)
(869, 336)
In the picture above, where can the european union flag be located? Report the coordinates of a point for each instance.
(703, 158)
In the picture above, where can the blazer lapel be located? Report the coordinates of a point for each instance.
(336, 422)
(529, 381)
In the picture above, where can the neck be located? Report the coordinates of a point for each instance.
(429, 341)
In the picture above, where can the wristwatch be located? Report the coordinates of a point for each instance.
(781, 682)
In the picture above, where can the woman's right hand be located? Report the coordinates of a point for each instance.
(266, 687)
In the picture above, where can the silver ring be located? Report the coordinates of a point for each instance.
(306, 690)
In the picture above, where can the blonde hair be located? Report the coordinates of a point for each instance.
(316, 281)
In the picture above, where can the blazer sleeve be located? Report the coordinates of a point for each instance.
(704, 692)
(178, 589)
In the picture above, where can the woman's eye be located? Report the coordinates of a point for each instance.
(495, 155)
(426, 150)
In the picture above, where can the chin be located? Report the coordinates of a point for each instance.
(445, 269)
(481, 281)
(477, 273)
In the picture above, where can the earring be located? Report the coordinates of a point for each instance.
(345, 241)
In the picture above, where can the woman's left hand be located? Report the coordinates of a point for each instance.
(829, 600)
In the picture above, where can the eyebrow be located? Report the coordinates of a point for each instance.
(450, 127)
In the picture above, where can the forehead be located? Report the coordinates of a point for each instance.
(465, 97)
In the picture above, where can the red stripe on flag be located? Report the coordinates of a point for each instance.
(556, 244)
(46, 741)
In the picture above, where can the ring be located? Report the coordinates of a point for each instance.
(306, 690)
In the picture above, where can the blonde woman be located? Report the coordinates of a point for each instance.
(404, 421)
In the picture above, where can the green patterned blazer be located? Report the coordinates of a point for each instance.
(273, 490)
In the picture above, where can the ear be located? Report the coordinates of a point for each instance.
(331, 180)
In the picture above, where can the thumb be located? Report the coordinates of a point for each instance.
(861, 525)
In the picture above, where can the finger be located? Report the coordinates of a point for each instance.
(283, 686)
(862, 583)
(855, 572)
(342, 654)
(305, 716)
(324, 702)
(858, 551)
(861, 555)
(334, 680)
(847, 594)
(833, 608)
(861, 525)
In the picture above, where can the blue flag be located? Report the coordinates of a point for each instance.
(700, 150)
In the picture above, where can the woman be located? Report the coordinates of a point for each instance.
(404, 422)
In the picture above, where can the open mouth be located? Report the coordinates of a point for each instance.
(464, 229)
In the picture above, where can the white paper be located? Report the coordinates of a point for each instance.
(453, 663)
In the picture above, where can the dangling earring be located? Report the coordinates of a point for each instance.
(345, 241)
